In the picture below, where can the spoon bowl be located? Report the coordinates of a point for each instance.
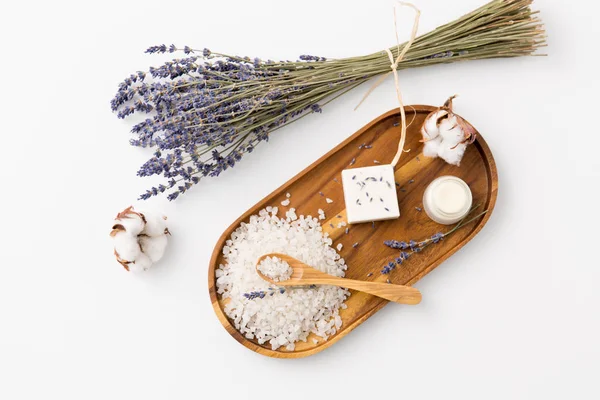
(303, 274)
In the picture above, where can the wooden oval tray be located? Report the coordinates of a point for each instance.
(413, 174)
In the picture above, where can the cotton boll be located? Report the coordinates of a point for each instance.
(139, 239)
(141, 263)
(452, 137)
(430, 147)
(156, 225)
(446, 134)
(451, 131)
(431, 132)
(153, 247)
(452, 154)
(126, 246)
(133, 223)
(130, 220)
(430, 127)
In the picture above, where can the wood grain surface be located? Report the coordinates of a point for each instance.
(413, 173)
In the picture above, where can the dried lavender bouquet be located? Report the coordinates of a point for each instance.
(207, 109)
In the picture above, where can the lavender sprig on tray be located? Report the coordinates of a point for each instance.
(413, 247)
(205, 110)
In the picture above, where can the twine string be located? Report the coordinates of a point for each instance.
(394, 71)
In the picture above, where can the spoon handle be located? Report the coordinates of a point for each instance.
(396, 293)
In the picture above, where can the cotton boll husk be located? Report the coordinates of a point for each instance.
(127, 246)
(141, 263)
(431, 147)
(153, 247)
(155, 225)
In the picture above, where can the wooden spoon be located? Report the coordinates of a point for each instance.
(305, 275)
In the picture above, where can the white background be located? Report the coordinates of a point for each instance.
(512, 315)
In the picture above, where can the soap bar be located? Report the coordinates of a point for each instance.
(370, 194)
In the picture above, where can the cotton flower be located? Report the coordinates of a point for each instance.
(126, 245)
(153, 247)
(139, 239)
(131, 221)
(446, 134)
(156, 225)
(142, 263)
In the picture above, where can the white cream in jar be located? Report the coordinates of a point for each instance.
(447, 200)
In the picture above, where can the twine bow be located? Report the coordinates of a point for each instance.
(394, 71)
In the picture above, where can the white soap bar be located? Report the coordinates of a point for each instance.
(370, 194)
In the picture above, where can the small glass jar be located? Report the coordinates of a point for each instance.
(447, 200)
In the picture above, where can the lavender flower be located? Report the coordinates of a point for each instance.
(394, 244)
(260, 294)
(388, 268)
(156, 49)
(414, 247)
(445, 54)
(305, 57)
(200, 119)
(205, 110)
(253, 295)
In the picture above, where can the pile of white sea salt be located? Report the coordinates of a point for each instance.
(275, 268)
(280, 317)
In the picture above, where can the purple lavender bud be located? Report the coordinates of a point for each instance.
(437, 237)
(305, 57)
(156, 49)
(125, 112)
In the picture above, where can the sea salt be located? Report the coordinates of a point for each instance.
(285, 203)
(328, 200)
(290, 215)
(275, 269)
(284, 318)
(321, 213)
(339, 247)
